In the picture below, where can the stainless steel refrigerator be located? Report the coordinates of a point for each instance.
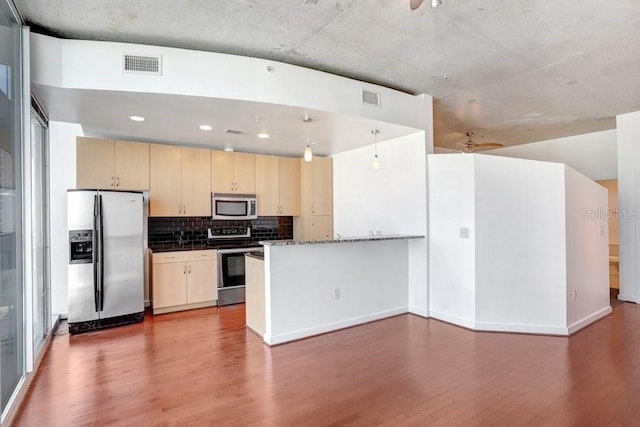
(106, 254)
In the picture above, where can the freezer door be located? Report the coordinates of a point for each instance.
(122, 228)
(81, 296)
(80, 210)
(81, 292)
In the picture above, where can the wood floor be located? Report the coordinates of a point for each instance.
(203, 368)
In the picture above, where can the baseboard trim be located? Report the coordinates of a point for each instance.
(581, 324)
(458, 321)
(517, 327)
(627, 298)
(419, 311)
(331, 327)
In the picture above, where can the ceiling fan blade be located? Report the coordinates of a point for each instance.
(414, 4)
(488, 144)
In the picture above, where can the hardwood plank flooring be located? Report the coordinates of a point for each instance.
(203, 367)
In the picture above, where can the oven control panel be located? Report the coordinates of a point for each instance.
(228, 232)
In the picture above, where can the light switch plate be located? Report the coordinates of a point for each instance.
(464, 232)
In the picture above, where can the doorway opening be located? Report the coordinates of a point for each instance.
(614, 261)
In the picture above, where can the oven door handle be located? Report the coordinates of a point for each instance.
(240, 250)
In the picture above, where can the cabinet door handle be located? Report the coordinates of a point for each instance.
(112, 181)
(184, 271)
(189, 268)
(184, 209)
(117, 181)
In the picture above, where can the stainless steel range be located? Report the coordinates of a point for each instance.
(232, 243)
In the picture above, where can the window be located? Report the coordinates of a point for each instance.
(12, 366)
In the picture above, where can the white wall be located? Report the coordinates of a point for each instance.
(392, 199)
(628, 130)
(528, 246)
(209, 74)
(520, 244)
(592, 154)
(587, 250)
(62, 159)
(452, 259)
(300, 281)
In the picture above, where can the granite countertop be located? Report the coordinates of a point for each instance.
(342, 240)
(173, 247)
(180, 247)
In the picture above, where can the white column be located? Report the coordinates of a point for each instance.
(628, 135)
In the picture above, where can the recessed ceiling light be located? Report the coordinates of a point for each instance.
(137, 118)
(229, 149)
(205, 127)
(263, 135)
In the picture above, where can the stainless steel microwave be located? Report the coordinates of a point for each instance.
(234, 206)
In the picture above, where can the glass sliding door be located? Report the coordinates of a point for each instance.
(41, 317)
(12, 359)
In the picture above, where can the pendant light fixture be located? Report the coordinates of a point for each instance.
(375, 162)
(308, 153)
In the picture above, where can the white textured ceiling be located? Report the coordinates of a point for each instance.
(517, 70)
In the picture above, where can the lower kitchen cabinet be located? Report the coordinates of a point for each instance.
(183, 280)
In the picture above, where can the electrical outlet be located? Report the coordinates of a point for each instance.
(464, 232)
(574, 294)
(336, 293)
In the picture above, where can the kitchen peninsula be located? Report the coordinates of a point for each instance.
(305, 288)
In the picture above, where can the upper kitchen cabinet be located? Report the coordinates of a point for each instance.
(179, 178)
(316, 220)
(196, 181)
(277, 185)
(317, 186)
(232, 172)
(105, 163)
(289, 180)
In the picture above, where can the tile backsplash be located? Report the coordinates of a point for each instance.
(193, 230)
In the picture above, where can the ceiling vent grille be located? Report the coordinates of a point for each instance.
(142, 64)
(370, 98)
(236, 132)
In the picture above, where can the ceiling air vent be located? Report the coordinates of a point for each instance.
(142, 64)
(236, 132)
(370, 98)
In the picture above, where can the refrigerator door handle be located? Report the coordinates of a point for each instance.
(100, 255)
(95, 256)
